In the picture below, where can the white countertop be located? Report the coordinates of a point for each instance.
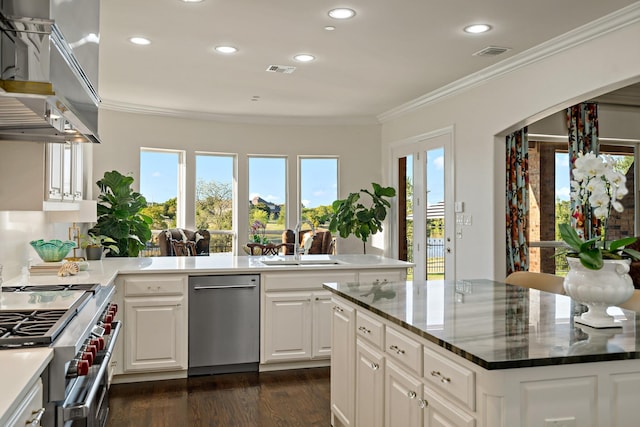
(18, 370)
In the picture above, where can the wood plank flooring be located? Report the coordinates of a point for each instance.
(268, 399)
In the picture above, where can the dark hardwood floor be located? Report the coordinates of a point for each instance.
(268, 399)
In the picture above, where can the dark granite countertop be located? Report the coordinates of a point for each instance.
(495, 325)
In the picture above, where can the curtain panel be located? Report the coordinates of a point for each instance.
(517, 198)
(582, 125)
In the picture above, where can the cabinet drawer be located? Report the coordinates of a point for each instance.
(382, 276)
(370, 329)
(310, 280)
(449, 378)
(404, 349)
(155, 285)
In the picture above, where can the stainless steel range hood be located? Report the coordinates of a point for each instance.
(48, 86)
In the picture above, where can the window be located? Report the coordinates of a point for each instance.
(161, 183)
(318, 188)
(215, 199)
(267, 195)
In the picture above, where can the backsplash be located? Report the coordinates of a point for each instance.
(17, 229)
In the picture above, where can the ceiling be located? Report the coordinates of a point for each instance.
(390, 53)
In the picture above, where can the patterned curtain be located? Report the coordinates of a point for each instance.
(517, 209)
(582, 124)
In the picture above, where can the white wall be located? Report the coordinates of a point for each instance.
(358, 148)
(483, 114)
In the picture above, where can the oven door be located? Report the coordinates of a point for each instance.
(87, 403)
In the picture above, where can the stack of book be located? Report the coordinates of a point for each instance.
(47, 268)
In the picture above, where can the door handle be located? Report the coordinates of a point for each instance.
(199, 288)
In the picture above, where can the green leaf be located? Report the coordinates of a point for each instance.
(570, 236)
(632, 253)
(591, 259)
(617, 244)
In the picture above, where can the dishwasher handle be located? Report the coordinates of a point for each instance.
(199, 288)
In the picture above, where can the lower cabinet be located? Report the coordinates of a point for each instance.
(297, 326)
(439, 412)
(31, 410)
(370, 369)
(155, 323)
(403, 402)
(342, 364)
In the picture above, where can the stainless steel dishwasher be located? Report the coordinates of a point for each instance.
(224, 324)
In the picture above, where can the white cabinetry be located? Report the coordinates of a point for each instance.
(155, 323)
(342, 364)
(64, 172)
(30, 410)
(403, 397)
(370, 368)
(296, 312)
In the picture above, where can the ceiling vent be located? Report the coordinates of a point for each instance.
(284, 69)
(491, 51)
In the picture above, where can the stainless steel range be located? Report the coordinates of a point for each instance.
(77, 322)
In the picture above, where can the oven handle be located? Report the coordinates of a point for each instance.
(81, 410)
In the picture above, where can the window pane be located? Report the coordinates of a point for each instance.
(159, 184)
(267, 193)
(318, 188)
(214, 199)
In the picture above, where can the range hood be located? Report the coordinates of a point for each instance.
(48, 86)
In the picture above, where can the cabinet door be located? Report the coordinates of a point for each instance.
(55, 167)
(369, 386)
(155, 334)
(403, 395)
(321, 325)
(440, 412)
(371, 276)
(77, 180)
(287, 330)
(30, 409)
(343, 339)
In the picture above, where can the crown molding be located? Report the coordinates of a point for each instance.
(148, 110)
(615, 21)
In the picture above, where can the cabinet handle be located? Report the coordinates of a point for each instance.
(375, 366)
(423, 403)
(322, 299)
(443, 379)
(396, 349)
(364, 330)
(37, 418)
(336, 308)
(412, 394)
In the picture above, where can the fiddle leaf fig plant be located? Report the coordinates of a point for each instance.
(351, 216)
(119, 216)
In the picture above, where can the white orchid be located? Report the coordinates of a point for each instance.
(598, 186)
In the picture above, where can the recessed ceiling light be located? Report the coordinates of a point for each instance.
(304, 57)
(477, 28)
(226, 49)
(140, 40)
(342, 13)
(329, 28)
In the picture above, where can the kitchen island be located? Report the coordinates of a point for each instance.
(477, 353)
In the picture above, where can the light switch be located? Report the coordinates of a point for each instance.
(460, 219)
(458, 207)
(467, 219)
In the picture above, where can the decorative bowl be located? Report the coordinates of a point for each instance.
(52, 250)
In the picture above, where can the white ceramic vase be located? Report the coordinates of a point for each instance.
(598, 290)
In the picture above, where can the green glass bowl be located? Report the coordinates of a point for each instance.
(52, 250)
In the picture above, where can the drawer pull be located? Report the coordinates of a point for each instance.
(423, 403)
(364, 330)
(412, 394)
(396, 349)
(375, 366)
(443, 379)
(336, 308)
(37, 418)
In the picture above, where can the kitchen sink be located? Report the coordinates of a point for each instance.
(301, 262)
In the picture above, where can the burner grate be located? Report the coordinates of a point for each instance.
(88, 287)
(30, 328)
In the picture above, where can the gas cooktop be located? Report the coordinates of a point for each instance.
(34, 315)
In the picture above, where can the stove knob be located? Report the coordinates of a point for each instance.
(92, 349)
(88, 356)
(107, 328)
(114, 308)
(82, 368)
(98, 342)
(108, 318)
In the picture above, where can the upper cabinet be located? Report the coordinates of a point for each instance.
(64, 172)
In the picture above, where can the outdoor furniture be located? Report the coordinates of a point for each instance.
(181, 242)
(323, 242)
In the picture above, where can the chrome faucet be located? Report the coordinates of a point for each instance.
(296, 237)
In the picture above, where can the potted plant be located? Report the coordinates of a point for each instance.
(350, 216)
(94, 245)
(598, 270)
(119, 215)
